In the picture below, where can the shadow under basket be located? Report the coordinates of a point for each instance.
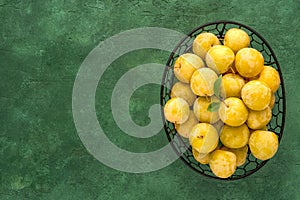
(181, 145)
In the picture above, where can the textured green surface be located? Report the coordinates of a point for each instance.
(42, 46)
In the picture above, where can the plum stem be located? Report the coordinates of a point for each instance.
(206, 96)
(222, 100)
(232, 70)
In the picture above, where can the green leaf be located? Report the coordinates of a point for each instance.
(217, 86)
(214, 106)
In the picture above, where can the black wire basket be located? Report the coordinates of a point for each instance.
(181, 145)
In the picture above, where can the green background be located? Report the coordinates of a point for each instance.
(42, 46)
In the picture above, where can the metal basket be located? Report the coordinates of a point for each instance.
(181, 145)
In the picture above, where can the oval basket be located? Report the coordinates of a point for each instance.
(181, 145)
